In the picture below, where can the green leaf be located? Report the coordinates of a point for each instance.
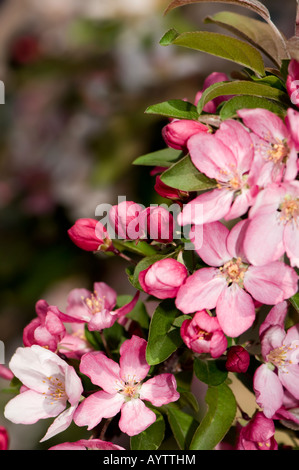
(138, 314)
(178, 109)
(164, 158)
(139, 247)
(241, 87)
(258, 33)
(211, 372)
(163, 338)
(218, 419)
(222, 46)
(230, 107)
(182, 425)
(185, 176)
(295, 301)
(152, 437)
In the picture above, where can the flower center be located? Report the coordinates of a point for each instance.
(129, 388)
(56, 389)
(278, 152)
(233, 181)
(234, 271)
(279, 357)
(289, 210)
(94, 303)
(204, 335)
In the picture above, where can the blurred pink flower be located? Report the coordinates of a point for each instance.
(87, 444)
(123, 389)
(4, 439)
(214, 77)
(292, 82)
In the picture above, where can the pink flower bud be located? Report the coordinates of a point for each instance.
(177, 133)
(163, 278)
(203, 334)
(258, 434)
(123, 218)
(238, 359)
(157, 223)
(5, 373)
(4, 441)
(90, 235)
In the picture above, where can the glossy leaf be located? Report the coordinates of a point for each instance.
(185, 176)
(218, 419)
(211, 372)
(178, 109)
(241, 87)
(222, 46)
(295, 301)
(230, 107)
(164, 158)
(182, 425)
(152, 437)
(256, 32)
(163, 337)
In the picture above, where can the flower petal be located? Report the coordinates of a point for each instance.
(160, 390)
(132, 359)
(235, 311)
(213, 250)
(101, 370)
(97, 406)
(268, 390)
(135, 417)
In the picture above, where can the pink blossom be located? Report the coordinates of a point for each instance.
(238, 359)
(124, 220)
(163, 278)
(87, 444)
(47, 329)
(273, 226)
(275, 156)
(4, 439)
(225, 156)
(97, 308)
(90, 235)
(49, 385)
(124, 389)
(280, 351)
(292, 82)
(202, 334)
(214, 77)
(258, 434)
(231, 283)
(177, 133)
(157, 222)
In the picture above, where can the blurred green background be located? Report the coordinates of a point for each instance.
(78, 77)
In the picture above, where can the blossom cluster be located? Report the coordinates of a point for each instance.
(246, 259)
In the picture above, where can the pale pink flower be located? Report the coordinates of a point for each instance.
(124, 389)
(202, 334)
(231, 284)
(275, 157)
(163, 278)
(280, 351)
(74, 343)
(273, 227)
(51, 389)
(87, 444)
(258, 434)
(226, 157)
(97, 308)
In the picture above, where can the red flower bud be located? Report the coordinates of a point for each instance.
(237, 359)
(177, 133)
(90, 235)
(3, 439)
